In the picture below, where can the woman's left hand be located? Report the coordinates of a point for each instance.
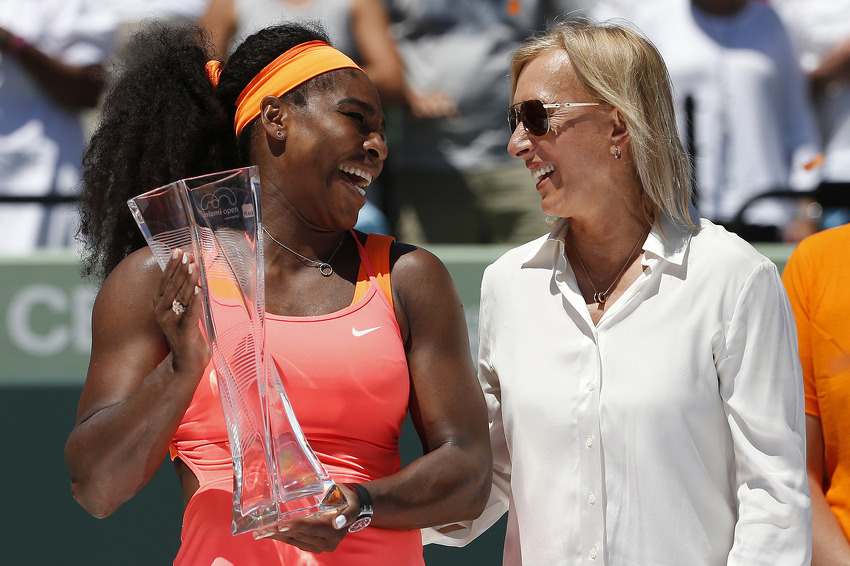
(315, 533)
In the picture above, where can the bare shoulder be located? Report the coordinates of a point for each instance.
(417, 270)
(134, 280)
(127, 342)
(425, 295)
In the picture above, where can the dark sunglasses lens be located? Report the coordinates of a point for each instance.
(512, 119)
(534, 117)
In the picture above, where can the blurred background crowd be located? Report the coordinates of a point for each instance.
(761, 87)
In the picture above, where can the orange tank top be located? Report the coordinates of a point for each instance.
(346, 376)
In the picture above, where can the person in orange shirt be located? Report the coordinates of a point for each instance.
(817, 278)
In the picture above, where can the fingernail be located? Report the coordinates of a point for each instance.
(174, 253)
(283, 529)
(339, 521)
(190, 270)
(258, 536)
(185, 257)
(197, 289)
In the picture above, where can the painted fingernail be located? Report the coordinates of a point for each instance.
(283, 529)
(190, 270)
(185, 257)
(339, 521)
(174, 253)
(197, 289)
(258, 536)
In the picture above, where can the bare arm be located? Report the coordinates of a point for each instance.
(829, 544)
(73, 87)
(834, 67)
(381, 61)
(219, 23)
(451, 481)
(384, 65)
(145, 365)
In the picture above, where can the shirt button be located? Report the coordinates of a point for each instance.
(593, 553)
(588, 442)
(591, 498)
(590, 386)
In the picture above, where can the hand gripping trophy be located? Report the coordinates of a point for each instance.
(275, 472)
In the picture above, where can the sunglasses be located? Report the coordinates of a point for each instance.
(534, 115)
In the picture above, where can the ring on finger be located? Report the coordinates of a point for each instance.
(177, 307)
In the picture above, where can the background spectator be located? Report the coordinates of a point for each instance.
(820, 32)
(53, 67)
(752, 126)
(51, 57)
(451, 178)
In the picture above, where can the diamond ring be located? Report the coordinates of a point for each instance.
(178, 307)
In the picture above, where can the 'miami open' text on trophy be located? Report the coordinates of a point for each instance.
(275, 472)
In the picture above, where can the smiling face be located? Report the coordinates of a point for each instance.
(334, 147)
(571, 164)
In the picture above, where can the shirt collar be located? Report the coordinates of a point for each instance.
(668, 240)
(545, 251)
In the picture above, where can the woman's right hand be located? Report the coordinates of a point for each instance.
(177, 306)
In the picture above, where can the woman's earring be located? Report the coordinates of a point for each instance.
(279, 135)
(617, 153)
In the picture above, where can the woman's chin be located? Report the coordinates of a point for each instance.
(552, 209)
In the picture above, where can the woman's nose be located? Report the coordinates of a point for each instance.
(376, 145)
(519, 143)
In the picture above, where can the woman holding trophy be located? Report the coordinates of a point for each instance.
(378, 324)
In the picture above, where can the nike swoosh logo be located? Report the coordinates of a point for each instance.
(356, 332)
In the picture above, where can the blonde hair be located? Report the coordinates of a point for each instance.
(618, 66)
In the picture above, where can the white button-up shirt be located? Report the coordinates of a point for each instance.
(671, 433)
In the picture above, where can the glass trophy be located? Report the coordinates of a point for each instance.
(276, 475)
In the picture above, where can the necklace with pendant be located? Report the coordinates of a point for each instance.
(324, 267)
(601, 297)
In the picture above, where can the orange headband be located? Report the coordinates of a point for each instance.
(214, 72)
(294, 67)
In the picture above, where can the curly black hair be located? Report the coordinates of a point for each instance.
(162, 120)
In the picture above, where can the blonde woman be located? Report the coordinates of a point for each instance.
(639, 364)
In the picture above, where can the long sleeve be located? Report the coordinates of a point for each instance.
(761, 387)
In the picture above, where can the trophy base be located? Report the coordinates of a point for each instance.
(266, 519)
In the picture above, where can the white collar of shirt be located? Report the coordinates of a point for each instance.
(667, 241)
